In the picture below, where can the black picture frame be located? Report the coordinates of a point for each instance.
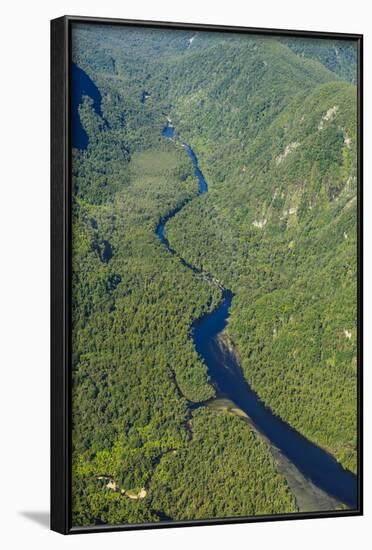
(61, 273)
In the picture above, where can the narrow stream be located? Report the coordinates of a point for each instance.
(313, 462)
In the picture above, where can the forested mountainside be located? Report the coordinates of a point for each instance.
(275, 134)
(339, 56)
(288, 231)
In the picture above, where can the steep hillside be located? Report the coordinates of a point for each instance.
(280, 230)
(275, 136)
(339, 56)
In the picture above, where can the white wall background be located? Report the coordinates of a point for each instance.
(24, 242)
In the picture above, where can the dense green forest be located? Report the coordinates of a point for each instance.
(290, 256)
(339, 56)
(274, 126)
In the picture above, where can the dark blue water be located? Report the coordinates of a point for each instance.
(168, 130)
(203, 187)
(81, 85)
(315, 463)
(145, 95)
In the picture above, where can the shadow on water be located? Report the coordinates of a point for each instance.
(314, 463)
(82, 85)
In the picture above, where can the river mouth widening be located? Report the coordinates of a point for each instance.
(309, 462)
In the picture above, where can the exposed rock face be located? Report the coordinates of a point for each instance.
(290, 147)
(329, 115)
(260, 223)
(111, 484)
(347, 139)
(135, 496)
(191, 40)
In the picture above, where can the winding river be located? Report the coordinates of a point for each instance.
(305, 464)
(315, 464)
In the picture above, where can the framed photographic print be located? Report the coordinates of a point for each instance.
(206, 274)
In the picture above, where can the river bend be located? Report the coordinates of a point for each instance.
(314, 463)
